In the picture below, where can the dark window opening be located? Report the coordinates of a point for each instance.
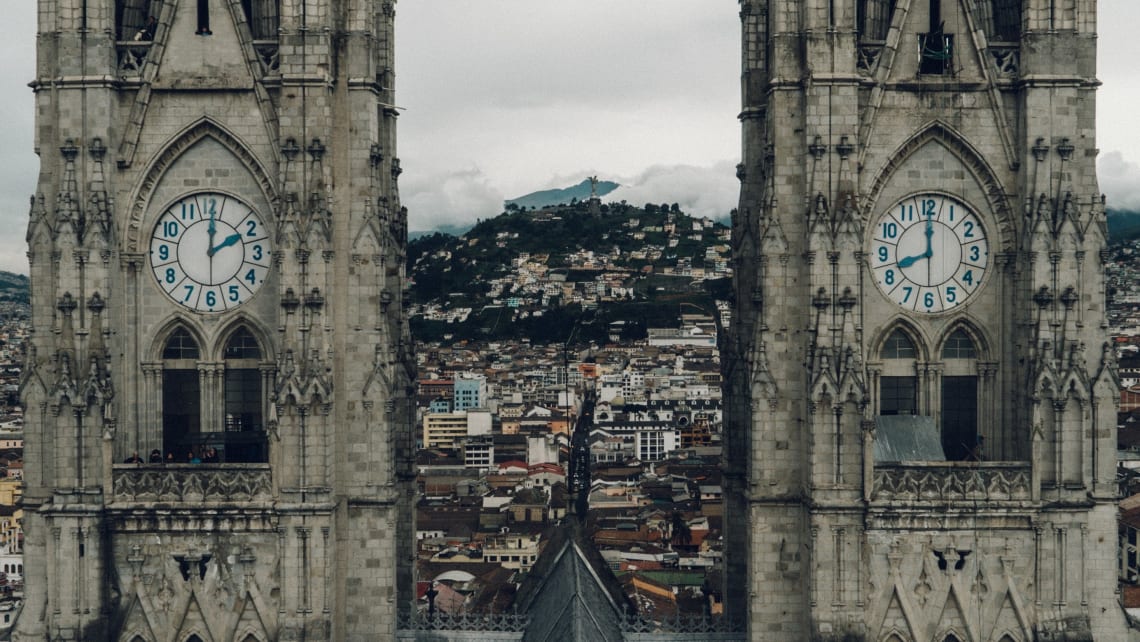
(936, 47)
(181, 414)
(936, 53)
(960, 440)
(1005, 23)
(897, 396)
(262, 16)
(244, 433)
(204, 18)
(131, 17)
(873, 18)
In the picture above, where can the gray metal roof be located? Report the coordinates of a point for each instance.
(907, 438)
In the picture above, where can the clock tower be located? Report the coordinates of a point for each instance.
(218, 388)
(921, 440)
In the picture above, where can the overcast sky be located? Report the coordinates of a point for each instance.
(505, 97)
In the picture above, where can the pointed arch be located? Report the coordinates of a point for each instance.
(243, 321)
(912, 332)
(178, 322)
(178, 145)
(973, 331)
(244, 353)
(941, 133)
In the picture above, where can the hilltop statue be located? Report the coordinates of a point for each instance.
(593, 187)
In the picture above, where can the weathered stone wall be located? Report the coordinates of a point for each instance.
(300, 129)
(837, 129)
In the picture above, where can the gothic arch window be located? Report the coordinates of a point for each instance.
(244, 398)
(960, 439)
(193, 638)
(950, 637)
(213, 401)
(898, 385)
(181, 394)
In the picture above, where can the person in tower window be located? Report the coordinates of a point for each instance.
(133, 459)
(156, 456)
(204, 18)
(147, 32)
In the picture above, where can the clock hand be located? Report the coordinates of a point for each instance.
(228, 241)
(929, 235)
(911, 260)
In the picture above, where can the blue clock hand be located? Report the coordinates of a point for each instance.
(929, 235)
(229, 240)
(911, 260)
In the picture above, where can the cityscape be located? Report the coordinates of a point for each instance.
(495, 425)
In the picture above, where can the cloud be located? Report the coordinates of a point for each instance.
(1120, 181)
(449, 198)
(710, 191)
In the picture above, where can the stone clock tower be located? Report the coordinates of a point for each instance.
(922, 441)
(217, 251)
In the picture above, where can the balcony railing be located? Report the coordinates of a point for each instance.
(952, 481)
(220, 483)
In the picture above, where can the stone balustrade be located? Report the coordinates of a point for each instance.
(952, 481)
(174, 483)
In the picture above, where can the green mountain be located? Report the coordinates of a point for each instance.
(1123, 225)
(14, 287)
(564, 196)
(542, 273)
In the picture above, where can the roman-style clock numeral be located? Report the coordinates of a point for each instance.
(210, 252)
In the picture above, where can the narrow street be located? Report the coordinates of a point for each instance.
(580, 457)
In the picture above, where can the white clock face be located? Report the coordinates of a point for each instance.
(929, 253)
(210, 252)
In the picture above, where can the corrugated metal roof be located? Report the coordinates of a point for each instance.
(907, 438)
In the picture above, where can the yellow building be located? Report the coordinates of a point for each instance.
(444, 429)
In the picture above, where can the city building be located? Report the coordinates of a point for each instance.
(470, 391)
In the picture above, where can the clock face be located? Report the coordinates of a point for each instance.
(210, 252)
(929, 253)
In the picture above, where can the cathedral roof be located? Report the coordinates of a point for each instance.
(571, 593)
